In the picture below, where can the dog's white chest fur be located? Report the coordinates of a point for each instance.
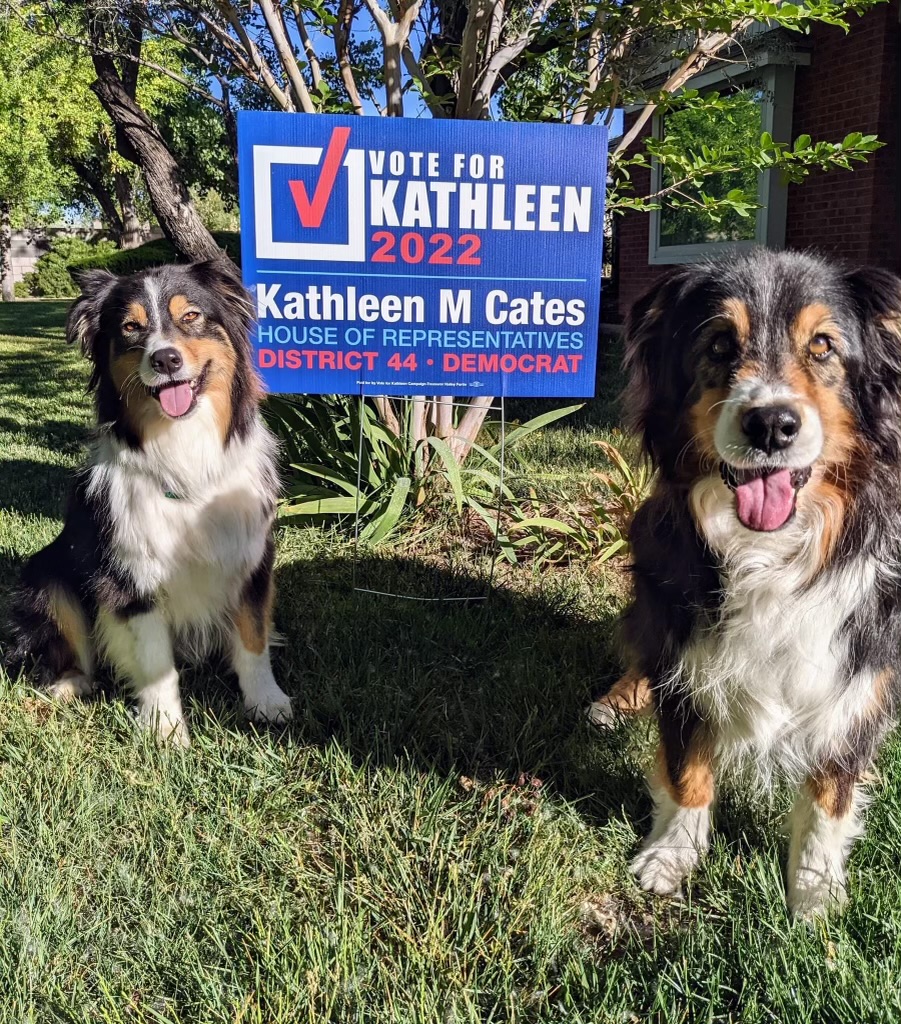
(770, 673)
(189, 517)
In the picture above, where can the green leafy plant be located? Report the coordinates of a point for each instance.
(593, 527)
(342, 461)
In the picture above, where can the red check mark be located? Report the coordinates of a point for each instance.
(311, 211)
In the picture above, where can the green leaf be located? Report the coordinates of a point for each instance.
(451, 469)
(332, 476)
(542, 523)
(320, 507)
(538, 422)
(611, 550)
(381, 527)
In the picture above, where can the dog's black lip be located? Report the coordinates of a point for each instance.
(732, 476)
(197, 388)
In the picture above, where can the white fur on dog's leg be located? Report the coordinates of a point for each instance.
(677, 842)
(264, 699)
(71, 686)
(818, 852)
(160, 710)
(140, 649)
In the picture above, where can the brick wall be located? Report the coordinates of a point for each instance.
(853, 83)
(635, 274)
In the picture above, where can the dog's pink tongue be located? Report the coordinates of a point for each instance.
(176, 399)
(766, 502)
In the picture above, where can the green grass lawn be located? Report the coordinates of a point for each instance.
(437, 837)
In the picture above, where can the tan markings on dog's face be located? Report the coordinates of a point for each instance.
(703, 415)
(751, 370)
(830, 489)
(828, 493)
(124, 370)
(178, 306)
(139, 409)
(197, 353)
(814, 319)
(137, 314)
(736, 313)
(694, 786)
(824, 394)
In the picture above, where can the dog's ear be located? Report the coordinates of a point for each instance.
(876, 295)
(83, 321)
(224, 278)
(659, 332)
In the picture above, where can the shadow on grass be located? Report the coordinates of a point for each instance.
(492, 688)
(43, 377)
(43, 319)
(34, 488)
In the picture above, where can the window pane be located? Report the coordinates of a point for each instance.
(740, 123)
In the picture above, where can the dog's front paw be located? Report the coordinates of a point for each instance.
(71, 686)
(815, 894)
(603, 715)
(173, 731)
(660, 868)
(268, 704)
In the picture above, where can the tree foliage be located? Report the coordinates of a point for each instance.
(470, 59)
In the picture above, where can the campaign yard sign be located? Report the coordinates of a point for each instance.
(388, 256)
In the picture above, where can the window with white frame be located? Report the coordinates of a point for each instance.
(756, 101)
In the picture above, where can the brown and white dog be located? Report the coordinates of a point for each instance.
(766, 388)
(167, 543)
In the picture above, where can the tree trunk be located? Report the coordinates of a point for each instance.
(93, 179)
(132, 228)
(7, 292)
(146, 147)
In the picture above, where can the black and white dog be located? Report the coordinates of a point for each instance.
(167, 543)
(767, 614)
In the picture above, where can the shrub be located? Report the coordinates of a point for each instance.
(22, 289)
(401, 479)
(51, 276)
(151, 254)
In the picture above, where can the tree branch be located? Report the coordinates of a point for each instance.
(501, 58)
(95, 184)
(276, 25)
(469, 427)
(342, 52)
(95, 47)
(394, 37)
(704, 51)
(309, 49)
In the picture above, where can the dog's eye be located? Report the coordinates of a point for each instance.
(820, 347)
(722, 346)
(131, 326)
(190, 316)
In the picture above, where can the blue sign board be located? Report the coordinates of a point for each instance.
(389, 256)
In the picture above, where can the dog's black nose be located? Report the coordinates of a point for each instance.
(771, 427)
(166, 360)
